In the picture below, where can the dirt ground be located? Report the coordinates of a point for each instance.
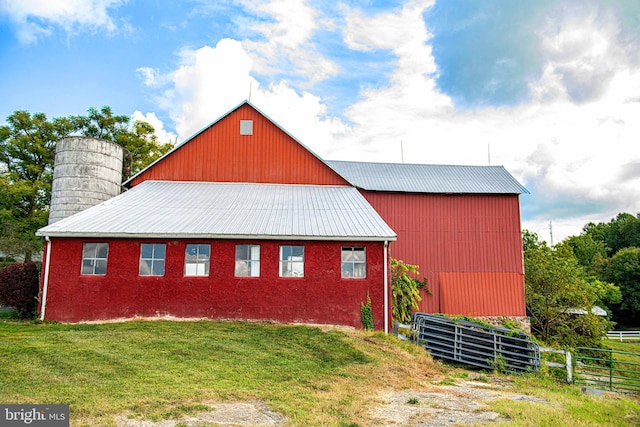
(460, 404)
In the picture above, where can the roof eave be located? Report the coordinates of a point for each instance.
(94, 235)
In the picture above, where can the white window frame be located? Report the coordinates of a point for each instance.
(93, 259)
(147, 264)
(247, 261)
(291, 265)
(196, 261)
(353, 266)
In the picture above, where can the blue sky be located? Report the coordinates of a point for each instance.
(550, 89)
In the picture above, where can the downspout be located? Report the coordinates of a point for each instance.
(45, 281)
(386, 287)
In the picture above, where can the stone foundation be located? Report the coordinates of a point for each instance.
(522, 322)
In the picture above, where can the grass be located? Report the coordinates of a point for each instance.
(162, 370)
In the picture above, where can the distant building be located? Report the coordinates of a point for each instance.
(242, 221)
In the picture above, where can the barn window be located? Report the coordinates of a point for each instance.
(94, 258)
(196, 260)
(152, 258)
(246, 127)
(291, 261)
(354, 262)
(248, 260)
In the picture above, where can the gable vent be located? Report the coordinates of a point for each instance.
(246, 127)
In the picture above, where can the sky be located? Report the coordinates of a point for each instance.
(549, 89)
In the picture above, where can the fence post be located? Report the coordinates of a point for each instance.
(569, 362)
(611, 370)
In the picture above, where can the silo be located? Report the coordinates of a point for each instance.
(87, 171)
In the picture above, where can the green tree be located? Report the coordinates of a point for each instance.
(27, 151)
(405, 290)
(26, 159)
(557, 288)
(624, 271)
(590, 253)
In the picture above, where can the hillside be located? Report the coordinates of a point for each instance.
(166, 373)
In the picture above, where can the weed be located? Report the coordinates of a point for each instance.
(367, 315)
(413, 401)
(482, 378)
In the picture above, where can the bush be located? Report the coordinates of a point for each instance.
(19, 286)
(405, 290)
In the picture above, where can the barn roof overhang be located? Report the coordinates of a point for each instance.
(243, 211)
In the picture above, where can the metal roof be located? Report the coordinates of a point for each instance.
(167, 209)
(414, 178)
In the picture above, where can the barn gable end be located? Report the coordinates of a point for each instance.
(242, 146)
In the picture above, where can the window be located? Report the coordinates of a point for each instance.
(291, 261)
(354, 262)
(246, 127)
(248, 260)
(152, 257)
(196, 260)
(94, 258)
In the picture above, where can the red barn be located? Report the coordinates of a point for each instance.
(242, 221)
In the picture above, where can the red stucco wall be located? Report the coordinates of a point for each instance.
(321, 297)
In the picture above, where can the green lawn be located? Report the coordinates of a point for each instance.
(160, 370)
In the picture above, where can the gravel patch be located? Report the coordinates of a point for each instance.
(443, 405)
(221, 414)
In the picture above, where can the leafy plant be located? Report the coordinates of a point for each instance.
(405, 289)
(367, 315)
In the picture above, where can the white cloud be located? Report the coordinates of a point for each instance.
(158, 126)
(211, 81)
(207, 84)
(584, 47)
(287, 46)
(35, 19)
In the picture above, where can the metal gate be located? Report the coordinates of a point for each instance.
(608, 369)
(470, 343)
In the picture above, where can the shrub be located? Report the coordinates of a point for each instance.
(19, 286)
(405, 289)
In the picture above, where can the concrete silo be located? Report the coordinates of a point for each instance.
(87, 171)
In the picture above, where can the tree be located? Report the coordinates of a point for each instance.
(26, 155)
(590, 253)
(27, 151)
(624, 271)
(557, 288)
(405, 290)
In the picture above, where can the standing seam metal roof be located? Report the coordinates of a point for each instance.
(168, 209)
(414, 178)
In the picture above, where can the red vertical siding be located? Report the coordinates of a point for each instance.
(459, 233)
(481, 294)
(221, 154)
(320, 297)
